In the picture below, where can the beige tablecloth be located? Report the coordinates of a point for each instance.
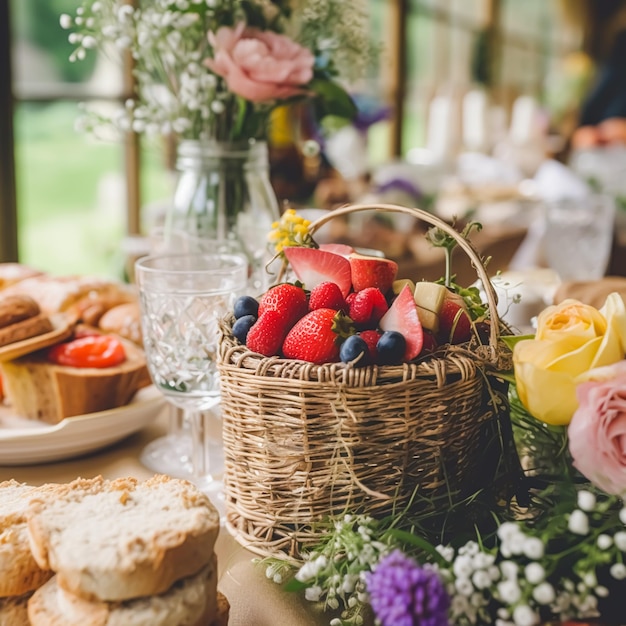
(255, 600)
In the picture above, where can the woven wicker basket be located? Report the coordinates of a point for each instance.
(305, 441)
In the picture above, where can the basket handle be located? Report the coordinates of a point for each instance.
(464, 244)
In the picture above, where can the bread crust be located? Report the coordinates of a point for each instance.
(189, 602)
(20, 572)
(14, 610)
(14, 309)
(25, 329)
(122, 539)
(125, 320)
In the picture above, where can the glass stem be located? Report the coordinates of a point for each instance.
(175, 421)
(200, 433)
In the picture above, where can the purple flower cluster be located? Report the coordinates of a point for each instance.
(403, 593)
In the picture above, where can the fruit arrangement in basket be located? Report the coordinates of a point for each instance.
(341, 305)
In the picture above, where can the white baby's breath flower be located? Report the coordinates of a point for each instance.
(447, 552)
(509, 591)
(618, 571)
(578, 522)
(620, 540)
(65, 21)
(544, 593)
(586, 500)
(509, 569)
(523, 615)
(622, 516)
(590, 579)
(464, 586)
(534, 573)
(89, 42)
(313, 594)
(604, 542)
(462, 566)
(533, 547)
(481, 579)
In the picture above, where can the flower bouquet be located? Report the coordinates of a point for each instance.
(215, 69)
(558, 555)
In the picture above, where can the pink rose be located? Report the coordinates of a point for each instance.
(260, 65)
(597, 432)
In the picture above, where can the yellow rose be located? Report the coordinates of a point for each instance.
(572, 338)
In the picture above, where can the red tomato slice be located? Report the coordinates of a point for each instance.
(89, 351)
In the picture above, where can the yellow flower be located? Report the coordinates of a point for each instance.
(290, 230)
(571, 340)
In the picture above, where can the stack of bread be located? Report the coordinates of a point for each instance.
(118, 553)
(19, 573)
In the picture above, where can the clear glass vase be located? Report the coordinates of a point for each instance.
(224, 195)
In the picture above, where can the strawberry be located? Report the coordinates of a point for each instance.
(266, 335)
(430, 343)
(455, 325)
(372, 271)
(367, 307)
(288, 300)
(327, 296)
(402, 317)
(313, 266)
(371, 338)
(317, 336)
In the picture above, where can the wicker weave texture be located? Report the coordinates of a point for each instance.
(303, 441)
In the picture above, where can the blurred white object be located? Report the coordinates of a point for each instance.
(475, 169)
(443, 132)
(475, 132)
(579, 235)
(346, 150)
(555, 181)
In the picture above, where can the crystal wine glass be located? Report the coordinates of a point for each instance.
(182, 297)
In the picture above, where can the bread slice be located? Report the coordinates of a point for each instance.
(40, 390)
(14, 610)
(25, 329)
(122, 539)
(189, 602)
(19, 572)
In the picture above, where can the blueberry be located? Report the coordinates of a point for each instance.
(391, 347)
(246, 305)
(242, 326)
(352, 348)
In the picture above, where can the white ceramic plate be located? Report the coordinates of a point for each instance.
(27, 442)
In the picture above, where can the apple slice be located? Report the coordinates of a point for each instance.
(314, 266)
(429, 298)
(402, 317)
(372, 271)
(399, 284)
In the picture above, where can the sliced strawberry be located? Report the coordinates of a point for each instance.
(455, 325)
(371, 338)
(338, 248)
(372, 271)
(402, 317)
(317, 336)
(288, 300)
(367, 307)
(267, 334)
(430, 343)
(327, 296)
(313, 266)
